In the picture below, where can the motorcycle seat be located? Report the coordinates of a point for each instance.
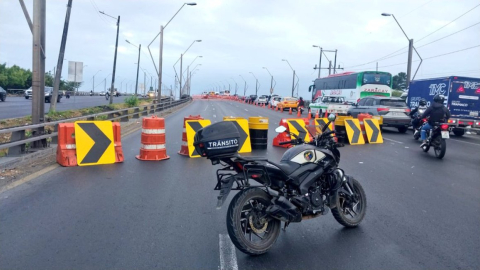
(250, 159)
(287, 168)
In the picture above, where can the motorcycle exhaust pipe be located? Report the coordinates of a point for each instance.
(283, 210)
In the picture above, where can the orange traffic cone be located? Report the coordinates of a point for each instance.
(299, 113)
(316, 115)
(309, 114)
(290, 112)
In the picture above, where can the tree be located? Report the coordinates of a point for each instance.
(400, 81)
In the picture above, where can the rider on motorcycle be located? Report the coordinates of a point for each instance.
(415, 112)
(437, 113)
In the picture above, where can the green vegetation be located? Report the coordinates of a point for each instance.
(400, 81)
(132, 101)
(396, 93)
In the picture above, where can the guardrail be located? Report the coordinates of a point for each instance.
(39, 135)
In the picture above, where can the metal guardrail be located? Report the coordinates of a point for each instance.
(39, 137)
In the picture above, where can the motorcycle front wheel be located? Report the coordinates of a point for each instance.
(441, 149)
(248, 225)
(350, 210)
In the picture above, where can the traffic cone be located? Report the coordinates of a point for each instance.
(184, 147)
(290, 111)
(316, 115)
(299, 113)
(309, 114)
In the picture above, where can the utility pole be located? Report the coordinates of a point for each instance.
(159, 98)
(329, 67)
(377, 67)
(293, 83)
(138, 67)
(335, 63)
(38, 62)
(409, 65)
(115, 57)
(181, 72)
(58, 73)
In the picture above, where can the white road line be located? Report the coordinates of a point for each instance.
(228, 256)
(214, 109)
(465, 142)
(392, 140)
(206, 108)
(246, 110)
(214, 115)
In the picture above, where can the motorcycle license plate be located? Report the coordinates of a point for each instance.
(445, 134)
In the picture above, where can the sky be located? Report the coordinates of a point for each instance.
(243, 36)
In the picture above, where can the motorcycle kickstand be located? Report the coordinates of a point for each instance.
(285, 226)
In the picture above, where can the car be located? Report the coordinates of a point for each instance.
(250, 98)
(184, 96)
(274, 101)
(102, 93)
(321, 103)
(151, 94)
(288, 102)
(3, 94)
(394, 111)
(48, 94)
(263, 99)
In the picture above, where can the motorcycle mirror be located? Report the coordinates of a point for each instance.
(332, 117)
(280, 129)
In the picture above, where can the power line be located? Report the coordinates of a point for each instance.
(448, 23)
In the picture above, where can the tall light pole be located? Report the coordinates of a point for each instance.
(115, 57)
(189, 73)
(138, 66)
(272, 86)
(410, 47)
(293, 82)
(319, 59)
(93, 88)
(256, 84)
(160, 62)
(235, 84)
(245, 87)
(181, 63)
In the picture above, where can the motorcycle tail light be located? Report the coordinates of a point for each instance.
(382, 109)
(444, 127)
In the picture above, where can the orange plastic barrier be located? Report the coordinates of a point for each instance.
(360, 117)
(153, 139)
(66, 149)
(184, 148)
(285, 136)
(117, 140)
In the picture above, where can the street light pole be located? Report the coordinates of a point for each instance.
(138, 66)
(181, 63)
(271, 81)
(293, 81)
(319, 59)
(93, 88)
(410, 51)
(115, 57)
(235, 84)
(245, 87)
(256, 84)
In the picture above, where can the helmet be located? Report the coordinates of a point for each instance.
(439, 98)
(423, 102)
(301, 98)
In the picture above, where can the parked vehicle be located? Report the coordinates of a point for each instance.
(288, 102)
(48, 94)
(3, 94)
(274, 101)
(462, 98)
(250, 98)
(394, 111)
(321, 104)
(436, 139)
(263, 99)
(304, 185)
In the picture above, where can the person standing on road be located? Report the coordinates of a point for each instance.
(437, 113)
(301, 105)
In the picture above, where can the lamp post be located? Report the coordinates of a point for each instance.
(189, 73)
(410, 47)
(256, 84)
(190, 76)
(139, 48)
(159, 71)
(181, 63)
(245, 87)
(293, 82)
(115, 57)
(235, 85)
(271, 81)
(93, 88)
(319, 59)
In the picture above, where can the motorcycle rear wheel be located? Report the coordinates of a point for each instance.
(247, 227)
(441, 149)
(347, 214)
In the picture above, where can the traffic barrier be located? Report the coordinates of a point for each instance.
(117, 142)
(184, 147)
(374, 133)
(282, 137)
(295, 126)
(192, 126)
(66, 149)
(243, 128)
(258, 132)
(361, 117)
(354, 132)
(153, 139)
(322, 122)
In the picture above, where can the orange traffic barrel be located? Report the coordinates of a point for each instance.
(153, 139)
(360, 117)
(184, 148)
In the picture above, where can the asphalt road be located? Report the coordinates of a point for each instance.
(422, 212)
(14, 107)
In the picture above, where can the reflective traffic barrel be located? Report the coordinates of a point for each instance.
(258, 127)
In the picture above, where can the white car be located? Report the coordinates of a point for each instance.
(263, 99)
(321, 103)
(274, 101)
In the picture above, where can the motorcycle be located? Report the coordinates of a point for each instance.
(417, 118)
(304, 185)
(436, 138)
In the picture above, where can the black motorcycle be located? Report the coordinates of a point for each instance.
(417, 129)
(436, 139)
(305, 184)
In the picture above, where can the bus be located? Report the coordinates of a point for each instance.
(353, 86)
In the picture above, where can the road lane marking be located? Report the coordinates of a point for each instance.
(392, 140)
(228, 255)
(206, 108)
(465, 142)
(246, 110)
(214, 115)
(29, 178)
(214, 109)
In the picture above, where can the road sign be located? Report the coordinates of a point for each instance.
(322, 122)
(94, 143)
(243, 129)
(374, 135)
(75, 71)
(354, 132)
(191, 127)
(297, 127)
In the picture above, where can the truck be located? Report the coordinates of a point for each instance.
(462, 98)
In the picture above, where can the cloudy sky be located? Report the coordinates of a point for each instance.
(243, 36)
